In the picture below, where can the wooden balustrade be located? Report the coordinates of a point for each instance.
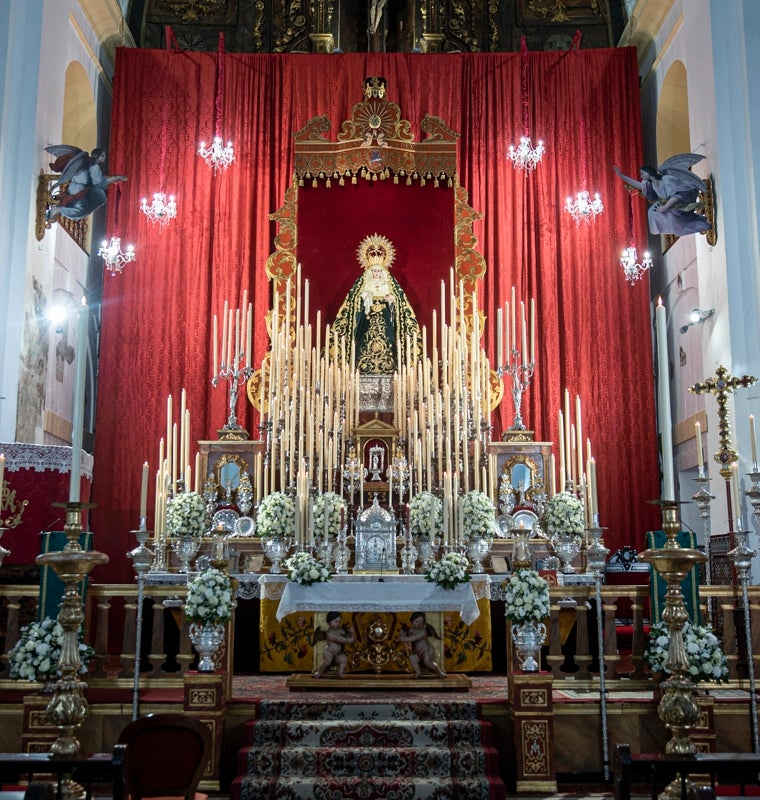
(167, 652)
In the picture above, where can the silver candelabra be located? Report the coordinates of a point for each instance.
(236, 376)
(521, 373)
(742, 556)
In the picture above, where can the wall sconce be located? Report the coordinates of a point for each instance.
(697, 317)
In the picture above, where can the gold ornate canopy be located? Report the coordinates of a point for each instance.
(376, 144)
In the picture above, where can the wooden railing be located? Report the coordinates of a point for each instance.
(167, 652)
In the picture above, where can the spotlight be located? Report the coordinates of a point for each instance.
(697, 317)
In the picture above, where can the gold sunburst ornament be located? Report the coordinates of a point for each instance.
(376, 251)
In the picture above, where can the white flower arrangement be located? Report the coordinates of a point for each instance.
(526, 597)
(35, 655)
(304, 568)
(478, 514)
(564, 514)
(448, 572)
(209, 598)
(276, 515)
(186, 514)
(336, 510)
(707, 662)
(425, 514)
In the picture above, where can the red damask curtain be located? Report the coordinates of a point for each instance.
(594, 330)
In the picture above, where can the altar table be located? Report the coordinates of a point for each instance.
(288, 609)
(367, 593)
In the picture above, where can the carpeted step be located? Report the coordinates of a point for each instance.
(311, 710)
(268, 762)
(311, 750)
(388, 733)
(370, 788)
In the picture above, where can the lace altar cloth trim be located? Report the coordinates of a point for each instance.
(272, 586)
(368, 593)
(42, 458)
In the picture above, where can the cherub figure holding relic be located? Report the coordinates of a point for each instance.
(81, 186)
(673, 190)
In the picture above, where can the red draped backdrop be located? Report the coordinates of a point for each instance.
(593, 329)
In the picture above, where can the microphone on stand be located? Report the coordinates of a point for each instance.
(382, 564)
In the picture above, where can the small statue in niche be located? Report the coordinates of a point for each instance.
(673, 190)
(336, 636)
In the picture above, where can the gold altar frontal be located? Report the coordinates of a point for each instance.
(290, 645)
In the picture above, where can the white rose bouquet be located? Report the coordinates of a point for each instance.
(335, 506)
(209, 598)
(526, 597)
(276, 515)
(451, 570)
(478, 514)
(425, 514)
(35, 655)
(304, 568)
(564, 514)
(186, 514)
(707, 662)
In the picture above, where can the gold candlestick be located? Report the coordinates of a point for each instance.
(677, 709)
(67, 709)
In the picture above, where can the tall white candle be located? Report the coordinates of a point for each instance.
(737, 502)
(144, 493)
(499, 337)
(663, 393)
(2, 478)
(77, 421)
(594, 496)
(753, 441)
(698, 437)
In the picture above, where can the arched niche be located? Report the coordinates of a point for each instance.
(374, 178)
(80, 125)
(673, 113)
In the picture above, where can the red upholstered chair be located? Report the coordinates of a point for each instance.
(166, 756)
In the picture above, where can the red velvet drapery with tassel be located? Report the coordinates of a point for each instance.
(593, 329)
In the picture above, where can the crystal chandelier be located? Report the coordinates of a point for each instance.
(218, 156)
(525, 156)
(160, 209)
(631, 267)
(115, 260)
(584, 207)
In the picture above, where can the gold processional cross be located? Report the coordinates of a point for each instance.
(721, 386)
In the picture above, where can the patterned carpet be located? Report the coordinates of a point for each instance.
(304, 748)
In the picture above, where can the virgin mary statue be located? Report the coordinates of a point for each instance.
(376, 313)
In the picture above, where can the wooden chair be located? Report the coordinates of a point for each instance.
(166, 755)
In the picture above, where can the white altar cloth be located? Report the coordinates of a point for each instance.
(368, 593)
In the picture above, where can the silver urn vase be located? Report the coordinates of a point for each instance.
(186, 547)
(275, 548)
(207, 639)
(528, 639)
(478, 548)
(566, 547)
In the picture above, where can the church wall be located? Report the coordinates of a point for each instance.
(19, 59)
(56, 266)
(737, 99)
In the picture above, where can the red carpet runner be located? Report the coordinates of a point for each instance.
(311, 750)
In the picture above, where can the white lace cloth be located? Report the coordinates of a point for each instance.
(367, 593)
(42, 458)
